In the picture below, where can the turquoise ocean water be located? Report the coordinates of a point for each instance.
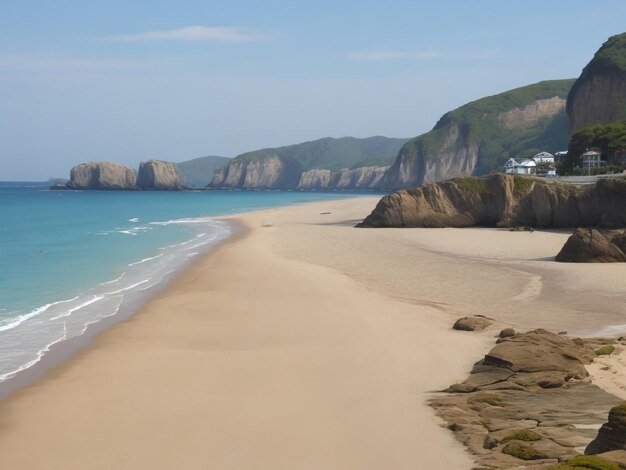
(69, 259)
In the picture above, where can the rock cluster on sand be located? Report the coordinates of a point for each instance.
(521, 404)
(589, 245)
(503, 201)
(153, 174)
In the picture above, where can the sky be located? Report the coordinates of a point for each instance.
(126, 81)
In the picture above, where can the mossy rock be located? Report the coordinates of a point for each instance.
(470, 185)
(488, 398)
(522, 184)
(619, 410)
(522, 435)
(523, 452)
(589, 462)
(605, 351)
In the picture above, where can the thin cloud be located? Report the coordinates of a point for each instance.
(371, 56)
(195, 34)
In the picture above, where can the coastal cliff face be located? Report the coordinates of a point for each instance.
(365, 178)
(267, 173)
(476, 138)
(503, 201)
(100, 175)
(344, 163)
(159, 175)
(599, 94)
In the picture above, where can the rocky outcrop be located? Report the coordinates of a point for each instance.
(318, 179)
(612, 435)
(364, 178)
(503, 201)
(159, 175)
(528, 399)
(472, 139)
(598, 95)
(589, 245)
(100, 175)
(323, 164)
(271, 172)
(533, 360)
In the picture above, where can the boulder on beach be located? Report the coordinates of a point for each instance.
(473, 323)
(590, 245)
(612, 434)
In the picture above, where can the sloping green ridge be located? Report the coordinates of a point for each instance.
(478, 123)
(333, 154)
(199, 171)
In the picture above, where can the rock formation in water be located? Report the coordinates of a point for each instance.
(100, 175)
(503, 201)
(476, 138)
(590, 245)
(159, 175)
(599, 94)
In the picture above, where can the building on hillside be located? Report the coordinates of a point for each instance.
(523, 166)
(592, 158)
(544, 157)
(560, 155)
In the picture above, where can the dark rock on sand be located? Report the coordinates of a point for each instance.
(474, 323)
(588, 245)
(507, 333)
(612, 435)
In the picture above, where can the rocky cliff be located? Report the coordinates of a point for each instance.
(503, 201)
(599, 94)
(100, 175)
(364, 178)
(479, 136)
(159, 175)
(346, 163)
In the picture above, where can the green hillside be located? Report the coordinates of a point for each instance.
(333, 154)
(199, 171)
(479, 124)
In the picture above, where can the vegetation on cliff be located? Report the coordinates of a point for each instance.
(599, 94)
(333, 154)
(479, 121)
(199, 171)
(609, 59)
(485, 132)
(609, 138)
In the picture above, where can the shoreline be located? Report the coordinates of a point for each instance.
(304, 341)
(66, 349)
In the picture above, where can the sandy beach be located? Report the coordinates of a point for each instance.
(303, 344)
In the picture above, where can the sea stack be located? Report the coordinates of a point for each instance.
(100, 175)
(159, 175)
